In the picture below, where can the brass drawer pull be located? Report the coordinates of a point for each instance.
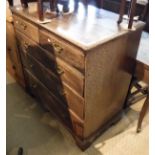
(59, 70)
(24, 26)
(57, 48)
(26, 45)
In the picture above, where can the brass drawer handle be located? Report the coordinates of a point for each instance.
(59, 70)
(24, 26)
(57, 48)
(26, 45)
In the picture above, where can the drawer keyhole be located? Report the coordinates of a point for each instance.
(31, 65)
(34, 86)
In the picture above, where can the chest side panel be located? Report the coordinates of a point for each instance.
(108, 75)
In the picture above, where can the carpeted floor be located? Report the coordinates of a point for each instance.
(29, 126)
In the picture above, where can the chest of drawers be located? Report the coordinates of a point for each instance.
(75, 70)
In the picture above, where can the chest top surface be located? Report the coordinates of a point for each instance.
(83, 29)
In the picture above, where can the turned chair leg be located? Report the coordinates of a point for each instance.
(40, 10)
(142, 114)
(122, 11)
(53, 5)
(132, 13)
(10, 2)
(24, 3)
(99, 4)
(20, 151)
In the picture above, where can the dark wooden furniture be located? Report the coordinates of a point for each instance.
(141, 91)
(74, 64)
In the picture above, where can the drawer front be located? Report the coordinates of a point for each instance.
(37, 52)
(27, 28)
(74, 101)
(71, 76)
(41, 93)
(77, 124)
(60, 48)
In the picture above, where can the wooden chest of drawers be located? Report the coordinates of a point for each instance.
(80, 73)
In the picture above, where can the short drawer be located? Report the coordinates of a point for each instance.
(62, 49)
(30, 47)
(49, 101)
(27, 28)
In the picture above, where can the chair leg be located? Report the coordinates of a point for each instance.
(132, 13)
(53, 5)
(20, 151)
(24, 3)
(10, 2)
(122, 11)
(40, 10)
(142, 114)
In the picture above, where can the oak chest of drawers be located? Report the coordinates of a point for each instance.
(76, 69)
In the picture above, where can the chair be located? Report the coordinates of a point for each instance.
(131, 12)
(53, 7)
(140, 80)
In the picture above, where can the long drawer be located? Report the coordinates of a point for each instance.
(53, 104)
(71, 76)
(27, 28)
(60, 48)
(62, 70)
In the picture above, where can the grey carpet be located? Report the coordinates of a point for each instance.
(38, 132)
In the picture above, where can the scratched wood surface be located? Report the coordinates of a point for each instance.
(84, 31)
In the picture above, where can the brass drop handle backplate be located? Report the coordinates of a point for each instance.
(57, 48)
(59, 70)
(24, 26)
